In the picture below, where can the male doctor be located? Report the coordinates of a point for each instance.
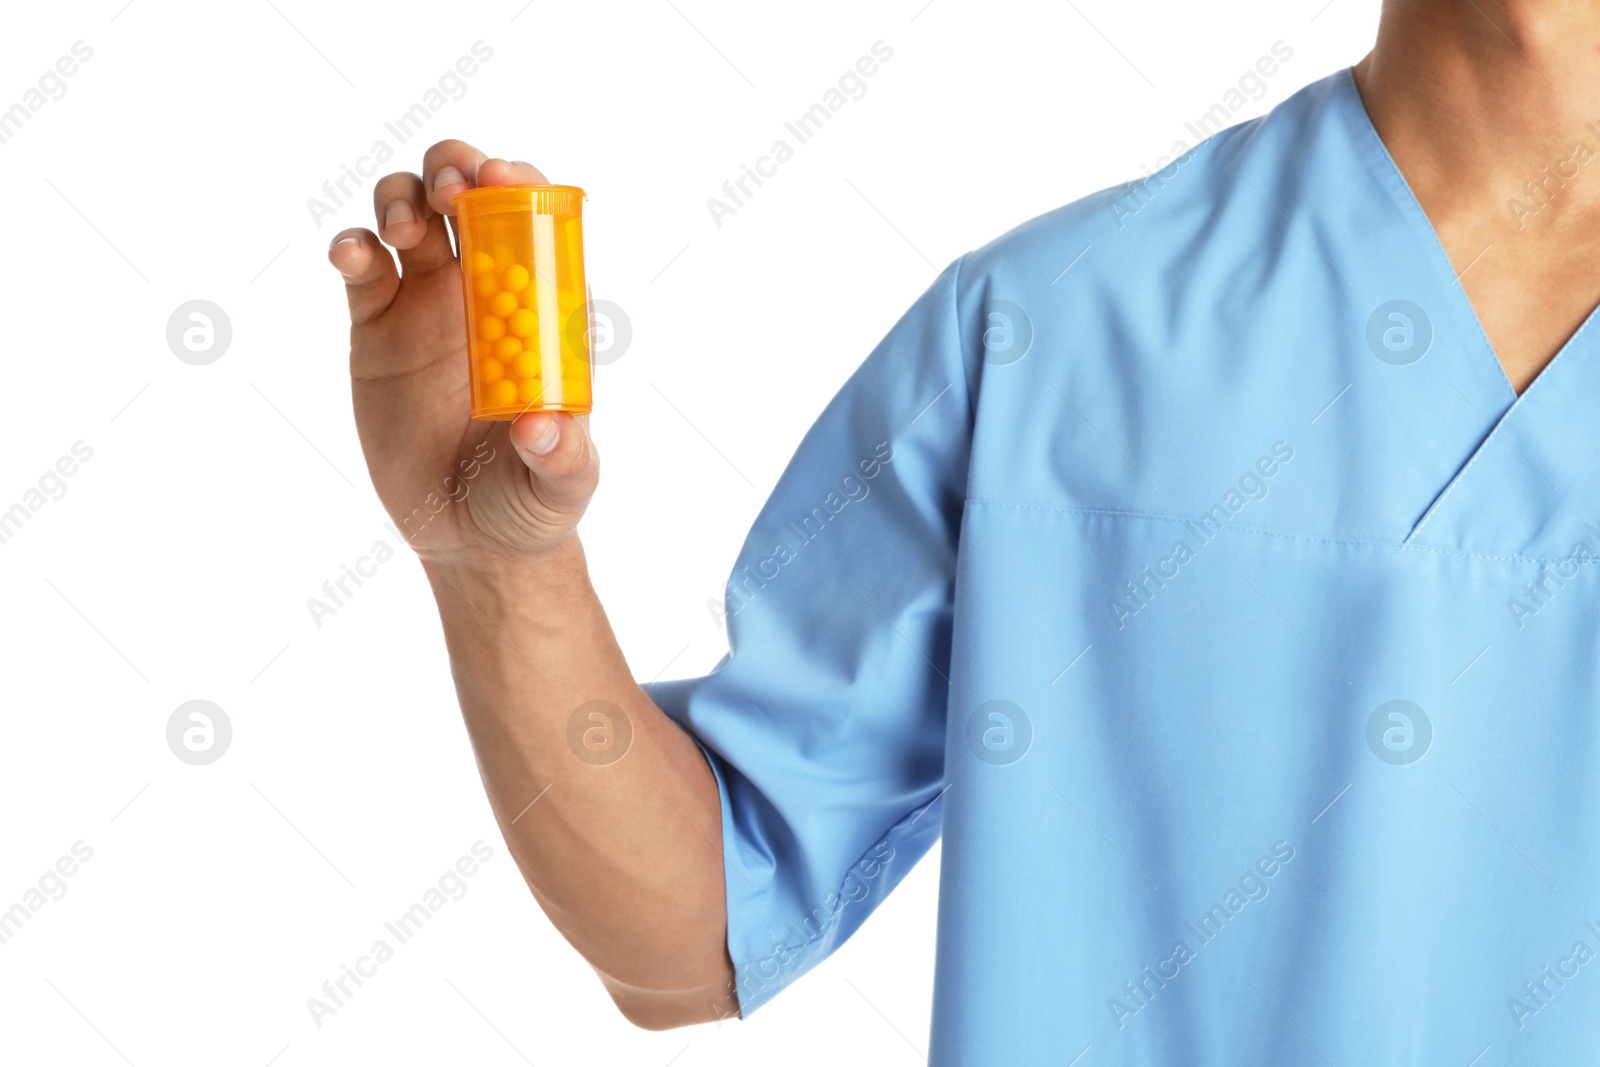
(1235, 630)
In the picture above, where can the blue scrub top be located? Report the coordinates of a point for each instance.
(1186, 559)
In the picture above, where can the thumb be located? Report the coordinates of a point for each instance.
(558, 451)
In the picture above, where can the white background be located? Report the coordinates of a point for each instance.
(177, 165)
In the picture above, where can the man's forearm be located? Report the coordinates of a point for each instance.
(625, 856)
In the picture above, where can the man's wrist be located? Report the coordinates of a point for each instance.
(485, 575)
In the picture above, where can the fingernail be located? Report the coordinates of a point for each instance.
(447, 176)
(347, 239)
(398, 213)
(547, 440)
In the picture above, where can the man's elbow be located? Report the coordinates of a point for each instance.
(657, 1010)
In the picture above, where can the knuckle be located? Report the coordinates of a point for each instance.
(448, 147)
(391, 186)
(582, 458)
(572, 465)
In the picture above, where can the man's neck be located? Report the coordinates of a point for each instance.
(1491, 109)
(1476, 98)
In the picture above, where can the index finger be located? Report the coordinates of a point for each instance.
(451, 166)
(447, 168)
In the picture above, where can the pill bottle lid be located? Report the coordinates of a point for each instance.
(534, 199)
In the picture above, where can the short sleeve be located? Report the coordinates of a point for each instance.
(825, 722)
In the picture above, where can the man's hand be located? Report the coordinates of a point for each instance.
(519, 488)
(623, 855)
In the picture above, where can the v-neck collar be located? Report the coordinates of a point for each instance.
(1536, 468)
(1381, 161)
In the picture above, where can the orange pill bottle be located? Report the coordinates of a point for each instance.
(526, 301)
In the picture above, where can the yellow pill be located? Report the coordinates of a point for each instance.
(529, 297)
(524, 323)
(507, 348)
(482, 262)
(527, 365)
(503, 393)
(515, 278)
(484, 284)
(491, 370)
(491, 328)
(503, 304)
(531, 391)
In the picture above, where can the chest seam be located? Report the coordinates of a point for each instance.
(1337, 542)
